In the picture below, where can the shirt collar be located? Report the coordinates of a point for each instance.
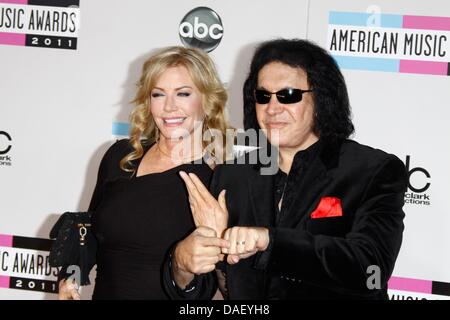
(304, 157)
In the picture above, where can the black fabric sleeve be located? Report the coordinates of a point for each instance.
(109, 164)
(202, 287)
(342, 262)
(110, 160)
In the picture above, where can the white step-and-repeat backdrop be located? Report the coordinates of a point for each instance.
(68, 70)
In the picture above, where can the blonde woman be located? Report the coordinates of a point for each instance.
(140, 203)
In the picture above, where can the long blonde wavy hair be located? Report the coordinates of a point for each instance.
(143, 130)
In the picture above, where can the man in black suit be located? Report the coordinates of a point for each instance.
(328, 224)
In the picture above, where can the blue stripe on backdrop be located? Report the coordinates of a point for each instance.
(120, 128)
(373, 64)
(361, 19)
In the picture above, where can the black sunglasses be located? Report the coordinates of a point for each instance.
(284, 96)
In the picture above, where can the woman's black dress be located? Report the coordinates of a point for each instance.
(136, 220)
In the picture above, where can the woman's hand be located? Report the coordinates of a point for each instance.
(68, 290)
(245, 242)
(206, 210)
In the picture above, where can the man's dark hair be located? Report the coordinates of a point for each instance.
(332, 118)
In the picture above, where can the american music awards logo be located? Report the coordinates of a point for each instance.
(24, 264)
(40, 23)
(401, 288)
(377, 41)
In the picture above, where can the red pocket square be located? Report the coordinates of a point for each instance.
(328, 207)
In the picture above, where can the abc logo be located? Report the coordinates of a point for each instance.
(201, 28)
(5, 136)
(423, 171)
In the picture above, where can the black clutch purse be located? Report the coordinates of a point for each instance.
(74, 245)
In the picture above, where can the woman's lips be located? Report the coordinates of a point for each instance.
(173, 121)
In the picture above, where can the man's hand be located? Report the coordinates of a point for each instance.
(245, 242)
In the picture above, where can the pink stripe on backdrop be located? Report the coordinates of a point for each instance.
(15, 1)
(4, 282)
(427, 23)
(412, 285)
(423, 67)
(6, 240)
(15, 39)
